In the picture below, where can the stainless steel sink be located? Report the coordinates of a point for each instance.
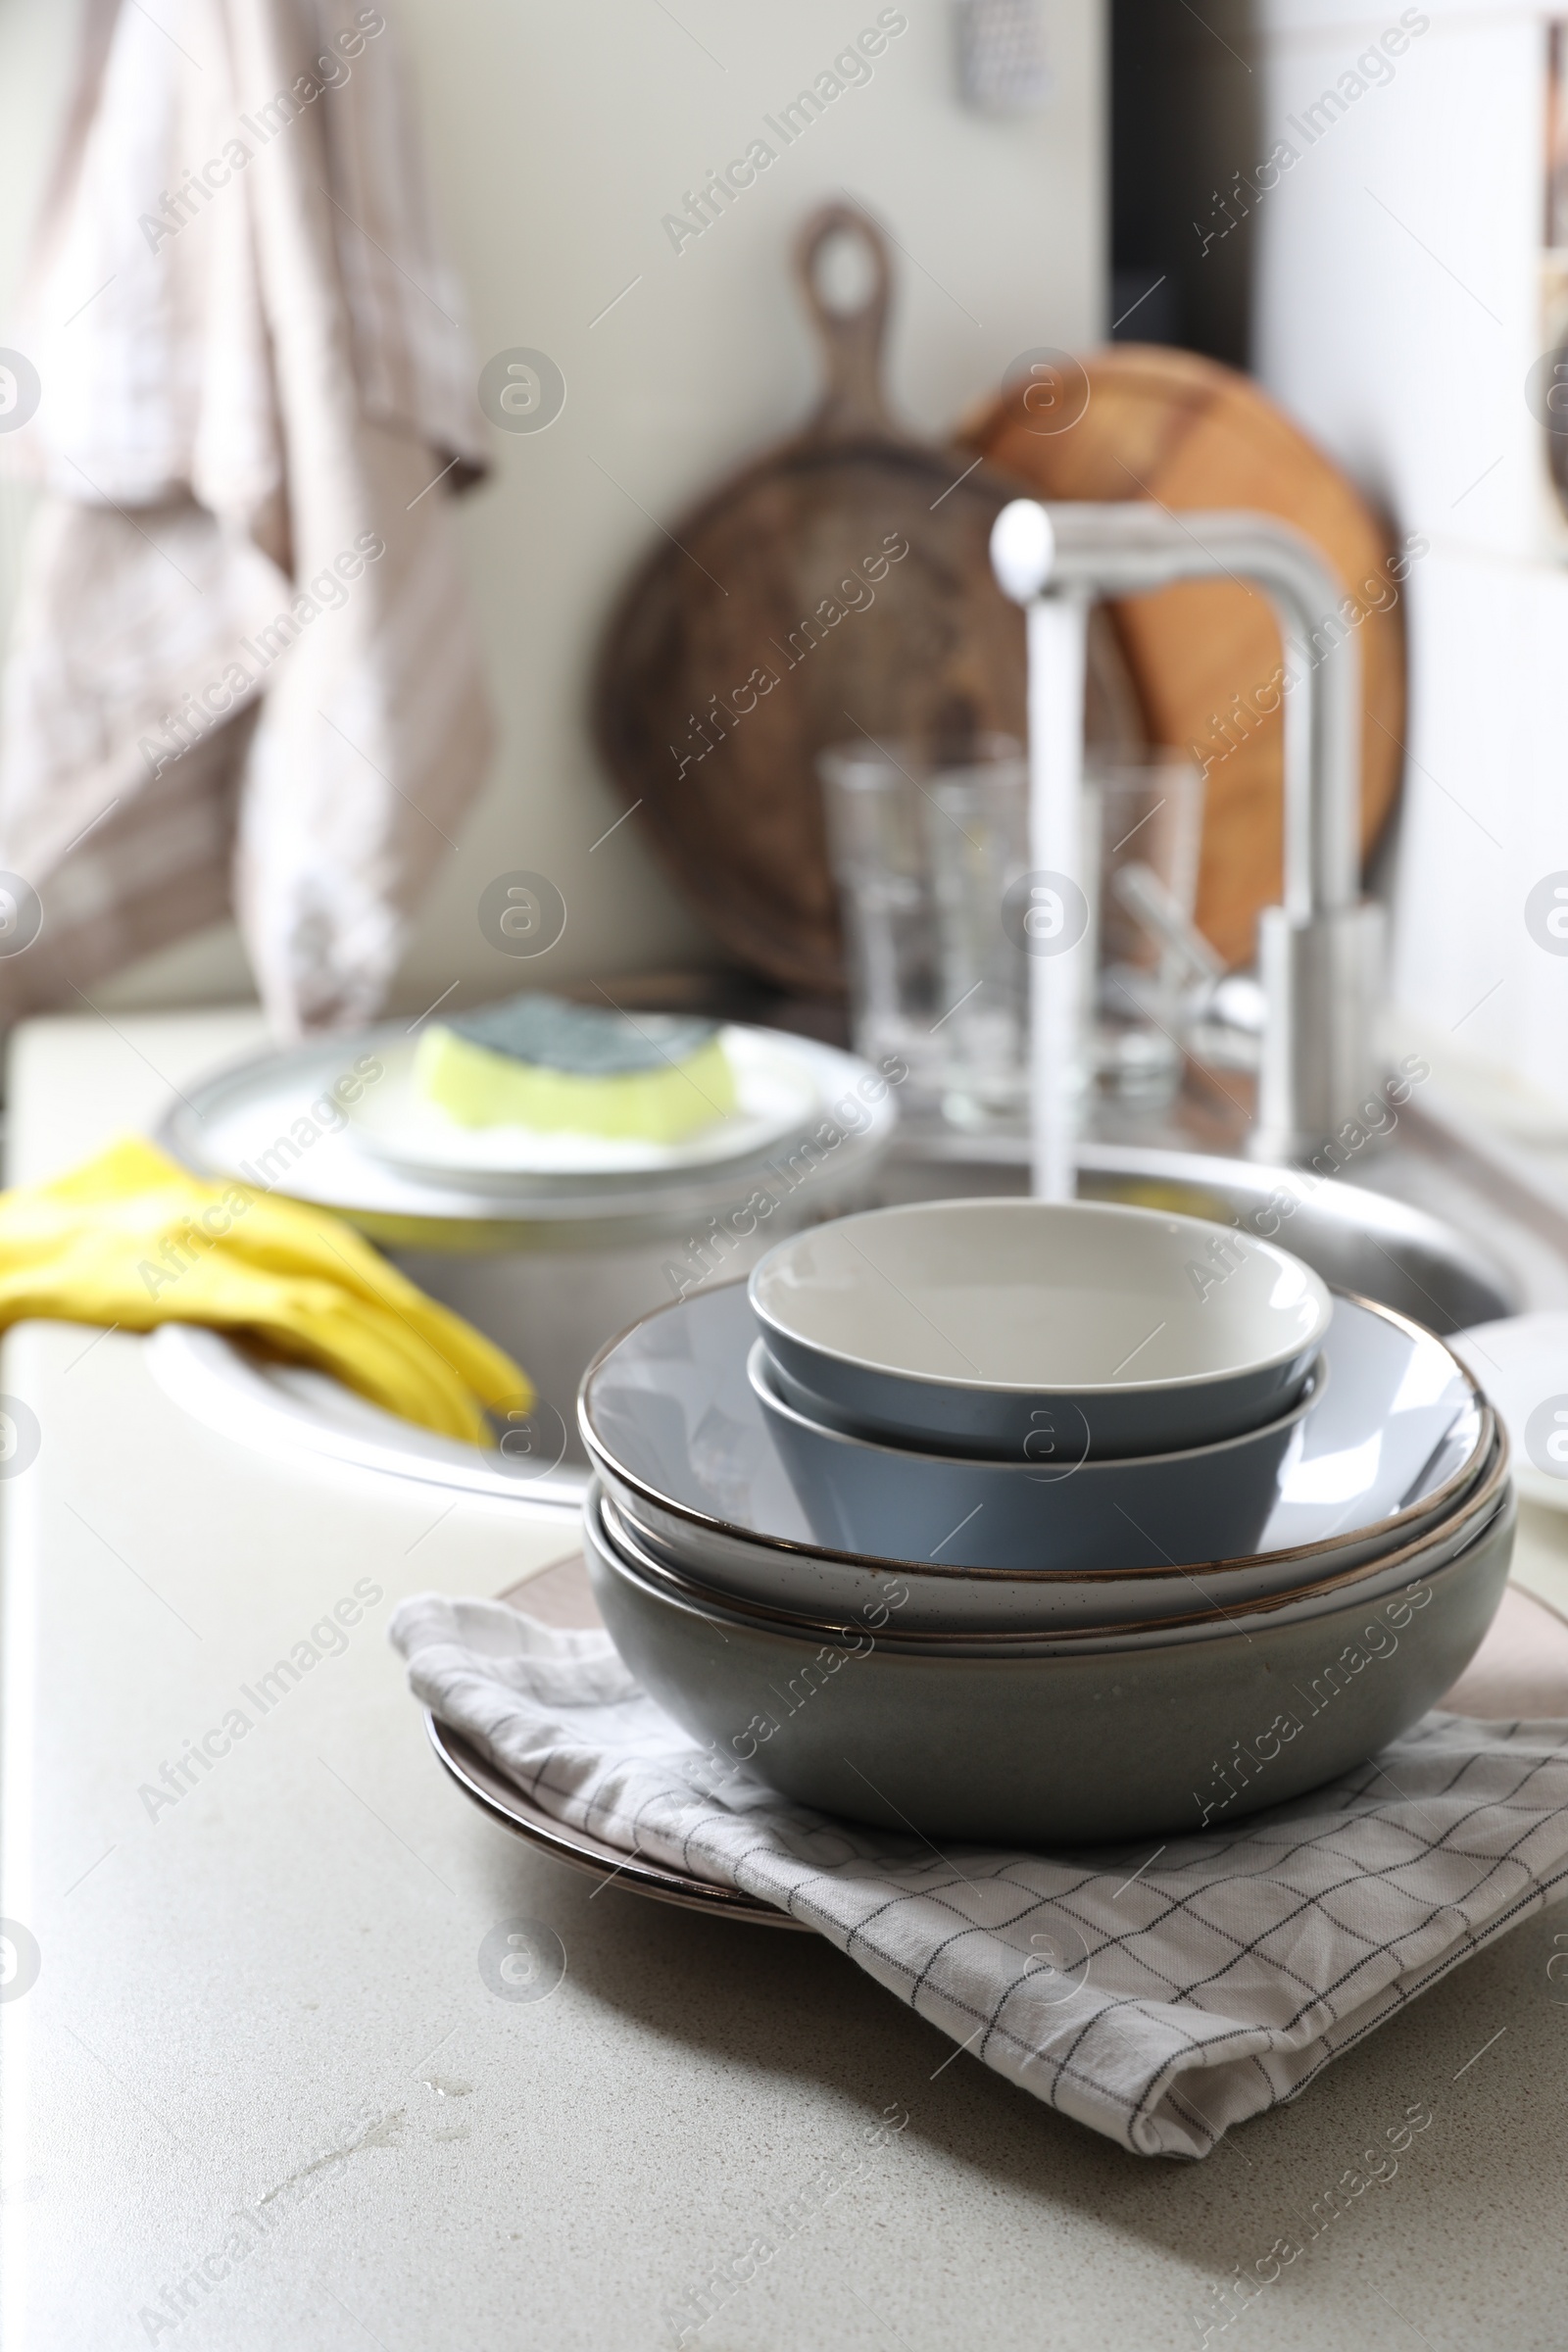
(1431, 1223)
(1409, 1232)
(1416, 1221)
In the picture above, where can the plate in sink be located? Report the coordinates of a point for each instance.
(283, 1408)
(285, 1121)
(779, 1096)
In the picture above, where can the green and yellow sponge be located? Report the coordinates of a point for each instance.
(539, 1061)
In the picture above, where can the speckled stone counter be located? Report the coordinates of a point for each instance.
(260, 2093)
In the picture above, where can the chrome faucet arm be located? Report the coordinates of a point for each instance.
(1319, 952)
(1136, 548)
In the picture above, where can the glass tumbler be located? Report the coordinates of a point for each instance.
(923, 851)
(1147, 816)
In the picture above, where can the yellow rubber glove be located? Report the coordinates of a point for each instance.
(131, 1240)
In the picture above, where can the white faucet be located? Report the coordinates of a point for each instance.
(1320, 952)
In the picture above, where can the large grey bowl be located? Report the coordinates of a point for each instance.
(1057, 1330)
(1158, 1510)
(1050, 1751)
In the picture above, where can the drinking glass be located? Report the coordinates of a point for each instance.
(1146, 817)
(923, 851)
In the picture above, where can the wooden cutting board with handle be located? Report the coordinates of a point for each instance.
(1169, 425)
(839, 587)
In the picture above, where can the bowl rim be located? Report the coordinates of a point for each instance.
(758, 1356)
(1087, 1211)
(1453, 1488)
(1479, 1513)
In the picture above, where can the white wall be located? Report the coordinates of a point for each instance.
(1400, 314)
(557, 138)
(1397, 302)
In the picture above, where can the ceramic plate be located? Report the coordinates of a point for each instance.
(1522, 1363)
(562, 1596)
(777, 1086)
(281, 1409)
(281, 1121)
(505, 1802)
(1397, 1435)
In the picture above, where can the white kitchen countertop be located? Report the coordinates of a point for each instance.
(266, 1999)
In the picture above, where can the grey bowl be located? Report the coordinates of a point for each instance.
(1063, 1330)
(1057, 1751)
(1205, 1502)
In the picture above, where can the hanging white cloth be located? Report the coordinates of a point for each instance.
(244, 670)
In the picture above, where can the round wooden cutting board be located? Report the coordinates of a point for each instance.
(840, 587)
(1169, 425)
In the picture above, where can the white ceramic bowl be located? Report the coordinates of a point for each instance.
(1052, 1330)
(1100, 1746)
(1205, 1502)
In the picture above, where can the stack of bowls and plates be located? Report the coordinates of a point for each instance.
(1041, 1523)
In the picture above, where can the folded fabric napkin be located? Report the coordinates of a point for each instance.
(130, 1241)
(1159, 1994)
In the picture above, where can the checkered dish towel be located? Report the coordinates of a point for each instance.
(1159, 2001)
